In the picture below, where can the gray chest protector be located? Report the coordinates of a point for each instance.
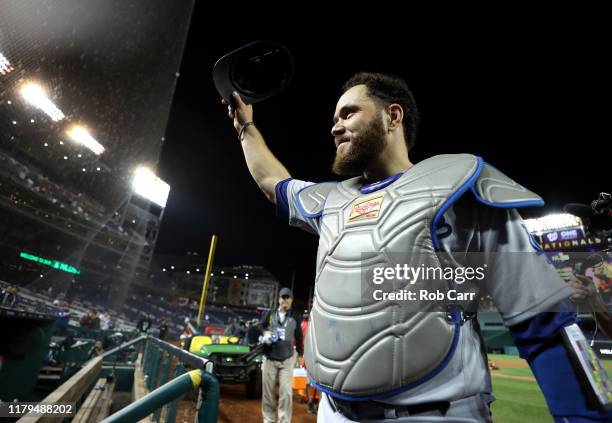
(358, 348)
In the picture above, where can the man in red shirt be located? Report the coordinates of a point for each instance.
(309, 389)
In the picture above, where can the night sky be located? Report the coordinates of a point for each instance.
(525, 95)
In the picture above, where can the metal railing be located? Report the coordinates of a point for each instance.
(155, 365)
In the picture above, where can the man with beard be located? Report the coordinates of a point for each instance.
(376, 361)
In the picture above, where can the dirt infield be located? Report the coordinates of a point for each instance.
(514, 364)
(234, 407)
(520, 364)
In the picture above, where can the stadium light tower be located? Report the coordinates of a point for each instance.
(139, 216)
(146, 184)
(80, 135)
(34, 94)
(5, 66)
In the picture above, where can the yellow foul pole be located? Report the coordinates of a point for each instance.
(209, 265)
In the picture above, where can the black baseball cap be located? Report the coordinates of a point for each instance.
(285, 291)
(257, 71)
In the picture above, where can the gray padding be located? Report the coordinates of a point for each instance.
(312, 198)
(494, 187)
(356, 346)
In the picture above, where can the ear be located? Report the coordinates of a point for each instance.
(395, 115)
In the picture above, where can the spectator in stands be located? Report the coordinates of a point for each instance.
(112, 341)
(254, 332)
(233, 328)
(144, 324)
(188, 329)
(104, 318)
(96, 350)
(242, 330)
(95, 320)
(63, 315)
(208, 328)
(10, 296)
(3, 295)
(85, 321)
(163, 329)
(68, 341)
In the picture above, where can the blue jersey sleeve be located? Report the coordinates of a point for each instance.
(539, 342)
(282, 202)
(287, 207)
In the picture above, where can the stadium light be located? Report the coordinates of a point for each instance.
(553, 222)
(80, 135)
(5, 65)
(149, 186)
(35, 95)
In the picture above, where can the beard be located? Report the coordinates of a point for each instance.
(364, 148)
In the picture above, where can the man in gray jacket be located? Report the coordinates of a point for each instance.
(282, 331)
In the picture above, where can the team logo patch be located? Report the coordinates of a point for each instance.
(366, 209)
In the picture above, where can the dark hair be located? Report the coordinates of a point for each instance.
(390, 89)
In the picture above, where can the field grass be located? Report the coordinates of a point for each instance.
(520, 401)
(516, 371)
(505, 357)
